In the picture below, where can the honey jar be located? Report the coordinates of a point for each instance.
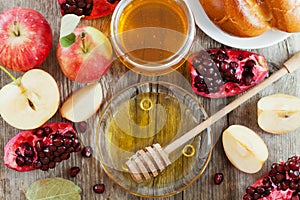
(152, 37)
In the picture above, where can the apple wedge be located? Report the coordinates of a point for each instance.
(278, 113)
(29, 101)
(83, 103)
(244, 148)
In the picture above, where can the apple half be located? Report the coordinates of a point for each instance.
(278, 113)
(29, 101)
(244, 148)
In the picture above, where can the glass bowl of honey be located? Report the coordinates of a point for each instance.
(147, 113)
(152, 37)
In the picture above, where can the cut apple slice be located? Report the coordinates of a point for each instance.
(82, 104)
(279, 113)
(244, 148)
(31, 100)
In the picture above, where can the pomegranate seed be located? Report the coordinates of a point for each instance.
(247, 197)
(39, 132)
(74, 171)
(266, 180)
(47, 130)
(218, 178)
(70, 150)
(65, 156)
(279, 168)
(44, 160)
(45, 168)
(37, 164)
(82, 126)
(75, 143)
(61, 149)
(99, 188)
(28, 161)
(260, 190)
(67, 142)
(69, 135)
(58, 142)
(77, 148)
(20, 161)
(250, 190)
(256, 196)
(52, 148)
(57, 159)
(52, 164)
(87, 152)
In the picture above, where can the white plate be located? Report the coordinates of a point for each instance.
(208, 27)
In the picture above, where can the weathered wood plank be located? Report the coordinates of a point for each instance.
(280, 146)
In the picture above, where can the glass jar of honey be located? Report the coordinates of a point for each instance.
(152, 37)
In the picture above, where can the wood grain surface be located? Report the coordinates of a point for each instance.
(281, 147)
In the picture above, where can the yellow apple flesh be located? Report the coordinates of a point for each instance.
(279, 113)
(83, 103)
(244, 148)
(30, 102)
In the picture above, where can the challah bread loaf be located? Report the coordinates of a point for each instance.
(249, 18)
(286, 14)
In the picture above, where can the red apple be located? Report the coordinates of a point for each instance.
(25, 39)
(88, 58)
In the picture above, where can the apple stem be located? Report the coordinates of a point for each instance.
(8, 73)
(84, 49)
(16, 29)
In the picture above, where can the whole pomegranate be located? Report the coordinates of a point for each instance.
(90, 9)
(41, 148)
(220, 73)
(281, 182)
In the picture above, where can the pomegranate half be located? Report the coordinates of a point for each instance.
(281, 182)
(41, 148)
(217, 73)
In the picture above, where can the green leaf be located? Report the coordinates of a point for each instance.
(68, 24)
(68, 40)
(53, 189)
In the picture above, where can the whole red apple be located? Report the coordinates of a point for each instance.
(88, 58)
(25, 39)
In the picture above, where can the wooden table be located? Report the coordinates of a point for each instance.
(280, 146)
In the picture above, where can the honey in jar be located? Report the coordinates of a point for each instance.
(152, 35)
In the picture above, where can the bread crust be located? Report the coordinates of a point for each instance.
(286, 14)
(249, 18)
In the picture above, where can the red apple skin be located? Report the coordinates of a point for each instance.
(86, 66)
(30, 48)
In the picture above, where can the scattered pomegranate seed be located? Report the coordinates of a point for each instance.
(99, 188)
(74, 171)
(87, 151)
(81, 126)
(218, 178)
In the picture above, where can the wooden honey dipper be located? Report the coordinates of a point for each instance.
(152, 160)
